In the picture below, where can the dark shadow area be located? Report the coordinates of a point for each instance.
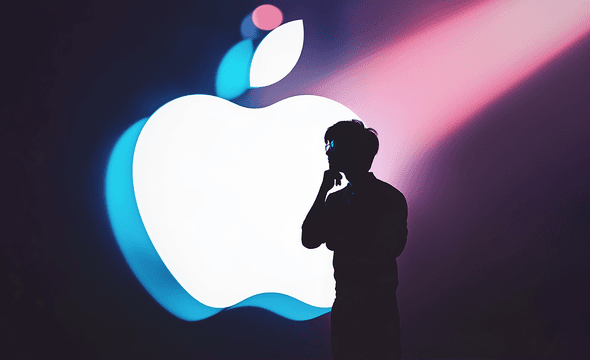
(496, 261)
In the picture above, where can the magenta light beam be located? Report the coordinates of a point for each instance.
(420, 89)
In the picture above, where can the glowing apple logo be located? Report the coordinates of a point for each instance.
(206, 198)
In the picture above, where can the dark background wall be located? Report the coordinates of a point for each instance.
(495, 265)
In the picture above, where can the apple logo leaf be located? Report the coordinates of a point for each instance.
(277, 54)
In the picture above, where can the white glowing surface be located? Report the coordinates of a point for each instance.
(223, 190)
(277, 54)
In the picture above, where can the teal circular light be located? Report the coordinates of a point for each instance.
(233, 74)
(248, 29)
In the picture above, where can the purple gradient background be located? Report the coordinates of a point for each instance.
(496, 263)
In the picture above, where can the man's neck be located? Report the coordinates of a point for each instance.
(357, 179)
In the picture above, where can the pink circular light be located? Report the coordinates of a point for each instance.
(267, 17)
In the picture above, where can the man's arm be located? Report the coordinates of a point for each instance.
(392, 229)
(316, 226)
(391, 235)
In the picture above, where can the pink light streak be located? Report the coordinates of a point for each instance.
(421, 89)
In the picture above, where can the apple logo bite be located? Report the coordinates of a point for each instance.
(221, 192)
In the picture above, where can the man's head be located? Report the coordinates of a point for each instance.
(351, 146)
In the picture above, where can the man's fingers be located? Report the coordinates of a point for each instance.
(332, 177)
(338, 178)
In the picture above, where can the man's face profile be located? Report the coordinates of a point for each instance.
(342, 158)
(334, 156)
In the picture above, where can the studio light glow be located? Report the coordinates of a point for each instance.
(223, 206)
(267, 17)
(146, 263)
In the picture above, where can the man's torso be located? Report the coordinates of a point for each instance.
(370, 230)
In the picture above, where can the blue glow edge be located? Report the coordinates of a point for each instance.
(233, 73)
(144, 260)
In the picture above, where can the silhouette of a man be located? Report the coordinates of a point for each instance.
(365, 224)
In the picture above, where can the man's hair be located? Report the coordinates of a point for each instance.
(353, 135)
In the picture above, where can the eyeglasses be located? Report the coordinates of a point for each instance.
(330, 146)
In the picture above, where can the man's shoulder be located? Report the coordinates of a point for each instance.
(390, 191)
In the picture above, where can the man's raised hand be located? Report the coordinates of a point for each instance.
(331, 177)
